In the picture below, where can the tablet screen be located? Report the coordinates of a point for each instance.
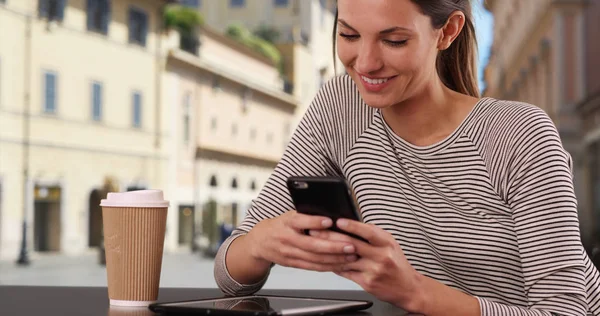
(281, 305)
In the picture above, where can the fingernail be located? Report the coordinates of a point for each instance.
(326, 222)
(351, 258)
(349, 249)
(342, 222)
(314, 233)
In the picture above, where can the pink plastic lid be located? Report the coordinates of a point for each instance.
(141, 198)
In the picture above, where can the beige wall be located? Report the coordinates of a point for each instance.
(232, 57)
(68, 148)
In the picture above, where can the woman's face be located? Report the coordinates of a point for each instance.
(388, 47)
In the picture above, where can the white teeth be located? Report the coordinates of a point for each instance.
(374, 81)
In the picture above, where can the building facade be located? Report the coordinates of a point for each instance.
(74, 120)
(305, 36)
(588, 109)
(543, 54)
(96, 97)
(232, 128)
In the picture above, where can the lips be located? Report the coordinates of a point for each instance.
(375, 84)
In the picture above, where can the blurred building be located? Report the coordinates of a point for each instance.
(589, 110)
(305, 36)
(544, 54)
(95, 97)
(79, 113)
(232, 121)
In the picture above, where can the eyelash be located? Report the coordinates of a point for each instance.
(352, 38)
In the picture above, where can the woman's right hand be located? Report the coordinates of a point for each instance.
(281, 240)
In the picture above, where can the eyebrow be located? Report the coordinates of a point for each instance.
(386, 31)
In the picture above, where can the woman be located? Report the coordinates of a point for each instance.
(468, 203)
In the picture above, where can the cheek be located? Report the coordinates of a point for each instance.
(345, 53)
(413, 60)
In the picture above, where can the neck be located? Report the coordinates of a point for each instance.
(429, 116)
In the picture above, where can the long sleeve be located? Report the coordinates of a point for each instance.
(540, 193)
(307, 154)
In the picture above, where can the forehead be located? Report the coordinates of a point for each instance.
(380, 14)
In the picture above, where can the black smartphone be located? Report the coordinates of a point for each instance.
(324, 196)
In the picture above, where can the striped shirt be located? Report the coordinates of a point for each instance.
(490, 210)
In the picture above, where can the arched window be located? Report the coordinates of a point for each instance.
(253, 185)
(234, 183)
(213, 181)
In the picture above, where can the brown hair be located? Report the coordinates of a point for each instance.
(456, 65)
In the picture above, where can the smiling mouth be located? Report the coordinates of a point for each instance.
(376, 80)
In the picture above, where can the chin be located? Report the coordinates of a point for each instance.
(378, 101)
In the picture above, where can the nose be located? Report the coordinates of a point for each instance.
(368, 59)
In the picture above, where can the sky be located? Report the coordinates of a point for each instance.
(484, 27)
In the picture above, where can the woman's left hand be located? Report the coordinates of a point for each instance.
(382, 269)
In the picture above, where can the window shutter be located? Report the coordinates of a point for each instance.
(60, 15)
(131, 24)
(92, 6)
(43, 7)
(144, 28)
(105, 15)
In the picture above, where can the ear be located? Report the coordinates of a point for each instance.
(451, 30)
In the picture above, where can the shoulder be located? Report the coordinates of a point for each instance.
(515, 114)
(339, 97)
(516, 122)
(526, 130)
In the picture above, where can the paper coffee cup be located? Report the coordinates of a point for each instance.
(129, 311)
(134, 232)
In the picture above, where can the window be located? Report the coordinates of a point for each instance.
(234, 129)
(281, 3)
(213, 181)
(234, 183)
(237, 3)
(216, 84)
(137, 109)
(97, 101)
(50, 85)
(186, 118)
(51, 9)
(253, 185)
(98, 15)
(191, 3)
(138, 26)
(246, 96)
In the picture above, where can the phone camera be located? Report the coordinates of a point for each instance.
(300, 185)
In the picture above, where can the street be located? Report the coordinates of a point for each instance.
(179, 270)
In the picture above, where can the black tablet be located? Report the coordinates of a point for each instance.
(259, 305)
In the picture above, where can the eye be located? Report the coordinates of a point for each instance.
(349, 37)
(395, 43)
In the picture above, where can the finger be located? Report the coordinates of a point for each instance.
(373, 234)
(331, 235)
(302, 222)
(292, 253)
(321, 246)
(360, 265)
(306, 265)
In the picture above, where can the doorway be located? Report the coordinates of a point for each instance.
(95, 218)
(47, 219)
(186, 222)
